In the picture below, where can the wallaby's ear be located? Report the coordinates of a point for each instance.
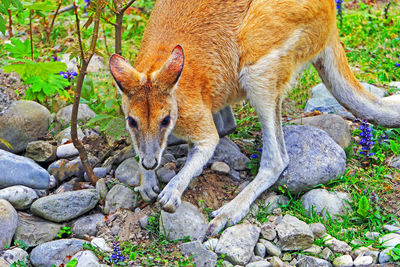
(170, 72)
(124, 74)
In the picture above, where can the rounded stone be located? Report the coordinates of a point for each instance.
(8, 257)
(41, 151)
(120, 197)
(87, 225)
(21, 197)
(221, 167)
(84, 114)
(23, 122)
(17, 170)
(128, 172)
(8, 223)
(314, 158)
(65, 206)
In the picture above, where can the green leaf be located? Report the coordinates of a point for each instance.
(6, 3)
(2, 25)
(41, 6)
(17, 4)
(3, 9)
(72, 263)
(363, 207)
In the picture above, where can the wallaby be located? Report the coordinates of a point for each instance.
(224, 51)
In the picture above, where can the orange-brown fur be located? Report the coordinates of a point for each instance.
(229, 50)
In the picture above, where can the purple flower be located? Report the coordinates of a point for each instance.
(366, 142)
(69, 74)
(254, 156)
(117, 256)
(397, 64)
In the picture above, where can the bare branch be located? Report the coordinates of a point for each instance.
(78, 30)
(50, 29)
(127, 6)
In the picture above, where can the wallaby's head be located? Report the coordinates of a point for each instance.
(149, 104)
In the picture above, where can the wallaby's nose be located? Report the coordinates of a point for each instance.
(149, 163)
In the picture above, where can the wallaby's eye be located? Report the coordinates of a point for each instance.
(165, 122)
(132, 122)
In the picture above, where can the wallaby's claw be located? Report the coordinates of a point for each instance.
(229, 214)
(170, 199)
(148, 192)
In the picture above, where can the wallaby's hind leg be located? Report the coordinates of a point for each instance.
(266, 99)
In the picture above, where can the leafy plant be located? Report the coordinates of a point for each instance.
(6, 7)
(21, 244)
(72, 263)
(394, 253)
(64, 231)
(363, 207)
(19, 263)
(113, 126)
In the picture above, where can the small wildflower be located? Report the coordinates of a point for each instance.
(68, 74)
(254, 156)
(117, 257)
(366, 142)
(397, 64)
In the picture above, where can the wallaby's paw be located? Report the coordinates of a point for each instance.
(228, 214)
(170, 199)
(148, 191)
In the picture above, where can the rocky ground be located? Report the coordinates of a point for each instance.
(43, 188)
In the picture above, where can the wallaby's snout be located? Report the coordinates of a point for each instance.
(149, 163)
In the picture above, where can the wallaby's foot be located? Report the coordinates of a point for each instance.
(229, 214)
(149, 187)
(170, 197)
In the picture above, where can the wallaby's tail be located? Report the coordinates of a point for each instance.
(335, 72)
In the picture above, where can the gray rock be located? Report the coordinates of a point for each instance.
(308, 261)
(55, 252)
(186, 221)
(235, 175)
(21, 197)
(390, 240)
(255, 258)
(294, 234)
(86, 259)
(318, 229)
(326, 253)
(34, 230)
(322, 100)
(391, 228)
(271, 249)
(67, 151)
(84, 114)
(260, 250)
(323, 202)
(167, 157)
(17, 170)
(238, 242)
(41, 151)
(395, 162)
(383, 256)
(65, 206)
(211, 244)
(343, 261)
(268, 231)
(100, 172)
(128, 172)
(120, 197)
(226, 264)
(228, 152)
(259, 264)
(23, 122)
(63, 169)
(314, 249)
(101, 188)
(336, 245)
(179, 151)
(166, 173)
(395, 84)
(8, 257)
(220, 166)
(86, 226)
(118, 157)
(8, 223)
(363, 261)
(66, 135)
(277, 262)
(273, 201)
(314, 158)
(71, 185)
(335, 126)
(101, 244)
(144, 221)
(201, 256)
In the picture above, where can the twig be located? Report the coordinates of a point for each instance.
(105, 40)
(386, 10)
(82, 73)
(30, 32)
(50, 29)
(10, 34)
(118, 25)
